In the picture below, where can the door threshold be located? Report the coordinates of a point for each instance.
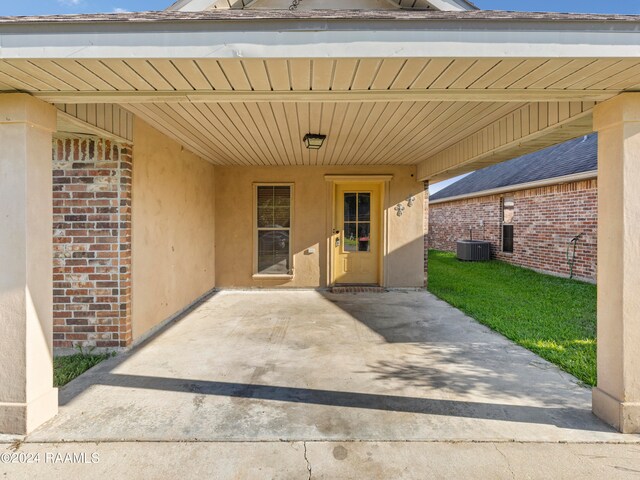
(358, 289)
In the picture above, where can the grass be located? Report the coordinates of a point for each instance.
(553, 317)
(69, 367)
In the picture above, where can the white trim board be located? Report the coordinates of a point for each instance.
(321, 39)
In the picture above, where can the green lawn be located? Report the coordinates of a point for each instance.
(553, 317)
(69, 367)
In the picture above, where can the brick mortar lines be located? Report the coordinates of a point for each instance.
(92, 243)
(545, 220)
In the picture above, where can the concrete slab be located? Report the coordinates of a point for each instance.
(321, 460)
(311, 366)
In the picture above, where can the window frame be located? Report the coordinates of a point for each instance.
(503, 223)
(255, 273)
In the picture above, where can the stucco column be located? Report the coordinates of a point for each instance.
(617, 396)
(27, 396)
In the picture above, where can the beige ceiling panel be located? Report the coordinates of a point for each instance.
(391, 123)
(66, 77)
(452, 73)
(233, 131)
(516, 73)
(276, 138)
(192, 73)
(322, 74)
(13, 82)
(257, 74)
(475, 71)
(559, 74)
(23, 73)
(540, 73)
(235, 74)
(102, 71)
(387, 73)
(286, 135)
(293, 127)
(502, 68)
(278, 72)
(208, 126)
(128, 74)
(344, 74)
(93, 79)
(337, 124)
(327, 118)
(620, 81)
(171, 74)
(300, 74)
(411, 69)
(431, 72)
(571, 76)
(214, 74)
(365, 73)
(150, 73)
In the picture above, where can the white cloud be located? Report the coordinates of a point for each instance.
(120, 10)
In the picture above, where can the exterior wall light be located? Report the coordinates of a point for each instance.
(314, 141)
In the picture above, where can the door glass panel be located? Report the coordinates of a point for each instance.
(364, 237)
(350, 202)
(350, 237)
(364, 207)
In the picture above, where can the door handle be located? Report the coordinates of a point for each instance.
(338, 241)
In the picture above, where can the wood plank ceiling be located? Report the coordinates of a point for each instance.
(359, 132)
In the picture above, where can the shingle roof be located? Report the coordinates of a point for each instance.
(572, 157)
(259, 14)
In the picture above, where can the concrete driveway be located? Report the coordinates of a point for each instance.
(311, 366)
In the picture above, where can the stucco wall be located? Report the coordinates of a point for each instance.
(173, 228)
(311, 225)
(545, 220)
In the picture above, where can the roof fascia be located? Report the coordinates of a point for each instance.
(305, 38)
(574, 177)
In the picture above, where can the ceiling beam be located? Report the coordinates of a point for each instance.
(533, 127)
(429, 95)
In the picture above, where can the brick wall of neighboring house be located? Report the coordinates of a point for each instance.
(92, 243)
(545, 220)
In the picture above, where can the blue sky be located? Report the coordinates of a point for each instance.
(42, 7)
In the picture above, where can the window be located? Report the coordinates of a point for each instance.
(273, 217)
(507, 224)
(357, 222)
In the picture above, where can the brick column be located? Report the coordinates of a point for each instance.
(92, 243)
(426, 233)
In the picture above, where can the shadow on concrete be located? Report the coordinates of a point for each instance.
(561, 417)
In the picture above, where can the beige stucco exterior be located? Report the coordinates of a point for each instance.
(617, 396)
(173, 228)
(311, 227)
(27, 396)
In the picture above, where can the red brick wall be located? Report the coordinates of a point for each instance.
(545, 220)
(92, 243)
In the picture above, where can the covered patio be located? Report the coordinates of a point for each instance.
(310, 366)
(170, 128)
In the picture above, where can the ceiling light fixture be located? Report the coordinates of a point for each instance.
(314, 141)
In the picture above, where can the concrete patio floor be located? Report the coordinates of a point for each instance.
(309, 366)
